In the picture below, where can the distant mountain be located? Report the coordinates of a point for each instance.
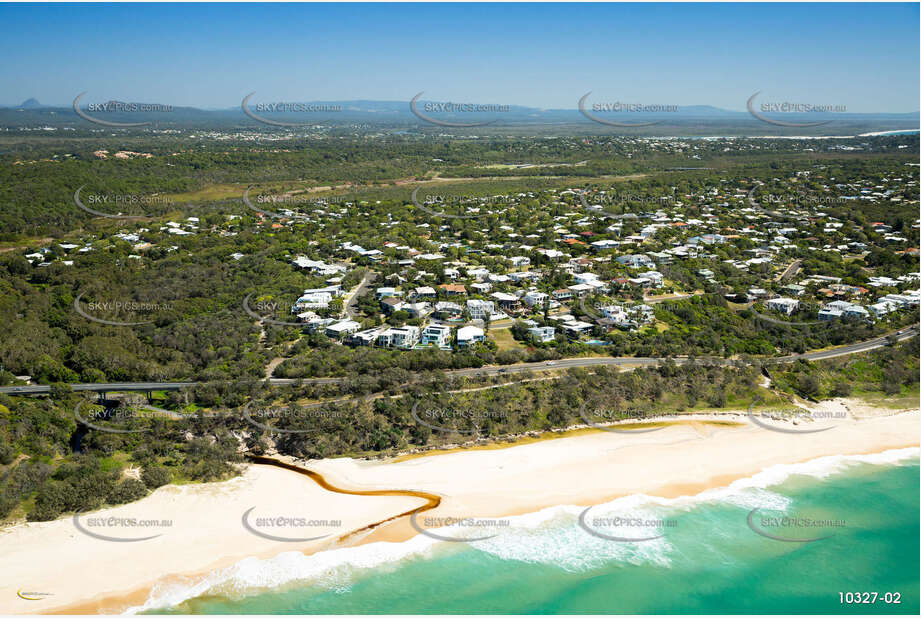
(686, 120)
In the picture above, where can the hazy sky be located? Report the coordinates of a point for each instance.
(862, 56)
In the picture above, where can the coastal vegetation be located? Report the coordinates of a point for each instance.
(51, 464)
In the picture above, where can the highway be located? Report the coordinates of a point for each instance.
(566, 363)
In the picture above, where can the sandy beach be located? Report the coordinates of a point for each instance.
(70, 571)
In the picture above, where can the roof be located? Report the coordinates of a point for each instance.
(469, 332)
(453, 287)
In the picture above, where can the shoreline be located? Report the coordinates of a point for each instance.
(686, 458)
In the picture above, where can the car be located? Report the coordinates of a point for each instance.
(550, 363)
(503, 370)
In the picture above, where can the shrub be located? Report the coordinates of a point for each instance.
(155, 476)
(127, 490)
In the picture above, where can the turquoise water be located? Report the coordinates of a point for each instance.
(708, 561)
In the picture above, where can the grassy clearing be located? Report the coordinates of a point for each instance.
(909, 398)
(505, 341)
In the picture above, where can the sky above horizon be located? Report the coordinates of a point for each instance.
(861, 56)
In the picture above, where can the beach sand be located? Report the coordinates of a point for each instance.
(81, 574)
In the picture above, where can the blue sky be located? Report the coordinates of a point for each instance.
(863, 56)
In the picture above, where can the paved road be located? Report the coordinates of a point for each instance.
(350, 301)
(790, 270)
(566, 363)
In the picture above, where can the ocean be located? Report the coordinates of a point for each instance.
(825, 532)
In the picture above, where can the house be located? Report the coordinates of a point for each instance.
(338, 330)
(535, 299)
(842, 308)
(425, 292)
(391, 305)
(784, 305)
(857, 312)
(656, 279)
(469, 335)
(387, 292)
(403, 337)
(530, 275)
(507, 302)
(909, 299)
(417, 310)
(638, 260)
(576, 328)
(601, 245)
(626, 317)
(580, 289)
(316, 300)
(882, 308)
(365, 337)
(542, 334)
(452, 289)
(453, 310)
(333, 290)
(437, 335)
(480, 309)
(563, 294)
(585, 277)
(318, 267)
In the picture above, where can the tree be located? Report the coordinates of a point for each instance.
(127, 490)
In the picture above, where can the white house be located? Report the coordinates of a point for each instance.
(403, 337)
(469, 335)
(656, 279)
(337, 330)
(480, 309)
(437, 335)
(535, 299)
(317, 266)
(315, 300)
(784, 305)
(542, 334)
